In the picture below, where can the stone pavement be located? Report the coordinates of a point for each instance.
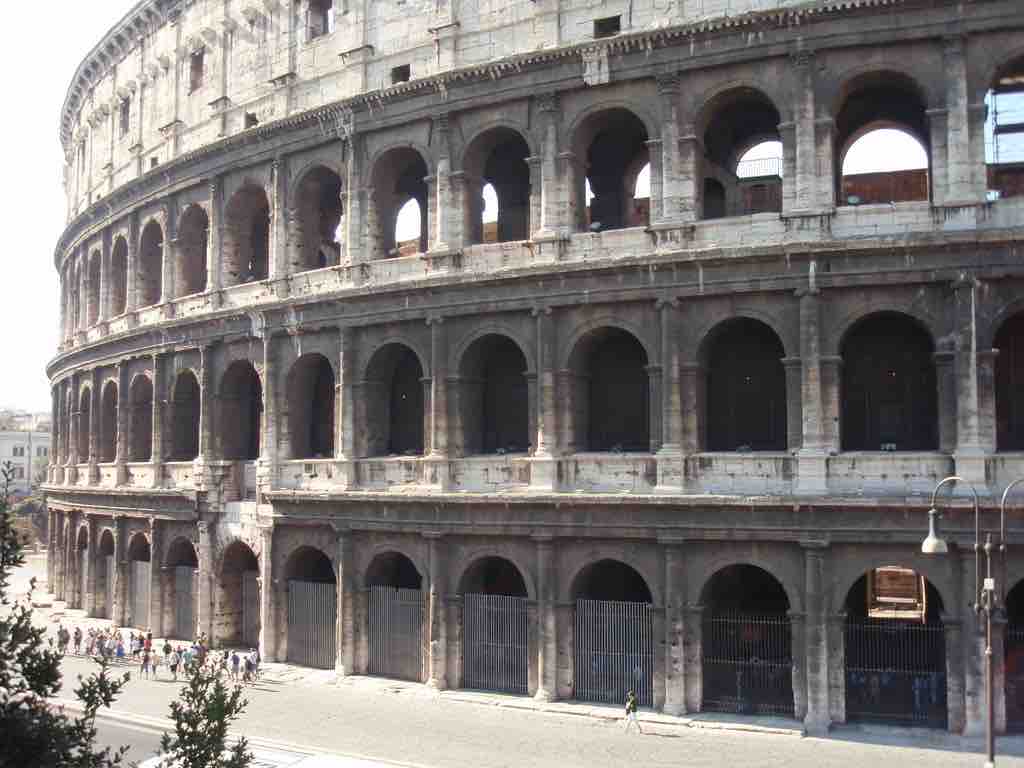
(412, 724)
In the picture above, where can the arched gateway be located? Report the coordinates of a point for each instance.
(495, 621)
(395, 614)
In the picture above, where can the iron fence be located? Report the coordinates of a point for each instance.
(614, 651)
(494, 648)
(312, 612)
(396, 632)
(747, 664)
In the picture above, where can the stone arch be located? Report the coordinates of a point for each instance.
(138, 547)
(406, 341)
(237, 594)
(316, 215)
(846, 571)
(185, 405)
(246, 239)
(697, 348)
(458, 350)
(241, 406)
(108, 422)
(785, 602)
(391, 547)
(479, 554)
(193, 239)
(497, 157)
(832, 342)
(568, 347)
(988, 331)
(181, 552)
(84, 422)
(394, 402)
(310, 410)
(493, 396)
(149, 285)
(140, 403)
(118, 276)
(791, 583)
(397, 175)
(593, 555)
(319, 566)
(391, 567)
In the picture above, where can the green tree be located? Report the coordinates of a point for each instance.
(33, 733)
(202, 714)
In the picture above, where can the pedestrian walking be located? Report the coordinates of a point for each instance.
(78, 641)
(62, 639)
(173, 659)
(631, 713)
(144, 669)
(235, 661)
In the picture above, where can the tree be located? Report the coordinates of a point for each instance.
(33, 733)
(202, 714)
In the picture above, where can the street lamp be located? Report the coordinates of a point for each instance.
(985, 598)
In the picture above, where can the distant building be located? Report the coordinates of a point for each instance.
(15, 419)
(25, 449)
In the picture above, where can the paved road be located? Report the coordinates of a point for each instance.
(143, 741)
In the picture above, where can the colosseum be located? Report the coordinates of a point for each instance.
(473, 343)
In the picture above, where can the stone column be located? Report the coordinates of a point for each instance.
(670, 456)
(813, 457)
(691, 385)
(675, 657)
(344, 400)
(806, 181)
(654, 401)
(268, 636)
(438, 388)
(267, 467)
(215, 242)
(436, 635)
(543, 474)
(156, 595)
(94, 427)
(131, 300)
(693, 638)
(345, 633)
(51, 548)
(831, 383)
(553, 213)
(170, 253)
(278, 257)
(121, 575)
(206, 397)
(793, 367)
(798, 629)
(987, 399)
(204, 619)
(945, 379)
(444, 210)
(836, 628)
(157, 449)
(959, 173)
(969, 456)
(104, 309)
(356, 196)
(824, 137)
(121, 429)
(937, 134)
(816, 721)
(91, 564)
(547, 624)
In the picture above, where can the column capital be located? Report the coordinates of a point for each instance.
(668, 303)
(540, 310)
(668, 83)
(814, 547)
(432, 320)
(543, 538)
(433, 535)
(547, 103)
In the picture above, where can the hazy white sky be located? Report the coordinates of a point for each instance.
(41, 57)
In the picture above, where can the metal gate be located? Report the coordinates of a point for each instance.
(614, 651)
(1014, 680)
(251, 608)
(312, 612)
(184, 600)
(896, 672)
(396, 632)
(747, 664)
(494, 643)
(139, 585)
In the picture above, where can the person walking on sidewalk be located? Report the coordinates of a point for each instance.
(631, 713)
(173, 660)
(78, 641)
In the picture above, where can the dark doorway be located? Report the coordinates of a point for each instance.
(1010, 385)
(494, 397)
(241, 406)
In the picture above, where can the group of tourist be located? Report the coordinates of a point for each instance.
(241, 666)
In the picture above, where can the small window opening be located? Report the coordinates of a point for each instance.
(195, 77)
(321, 18)
(607, 27)
(401, 74)
(126, 115)
(153, 162)
(251, 121)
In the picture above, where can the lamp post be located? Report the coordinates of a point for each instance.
(985, 598)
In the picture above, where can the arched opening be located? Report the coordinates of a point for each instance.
(81, 583)
(395, 614)
(746, 646)
(398, 180)
(613, 634)
(493, 397)
(185, 405)
(241, 411)
(609, 401)
(84, 424)
(312, 608)
(106, 568)
(93, 303)
(1004, 132)
(246, 240)
(889, 397)
(1014, 659)
(193, 237)
(179, 589)
(495, 627)
(149, 287)
(311, 408)
(613, 145)
(118, 277)
(884, 165)
(393, 392)
(746, 388)
(139, 575)
(140, 446)
(1010, 385)
(496, 161)
(238, 597)
(108, 423)
(895, 650)
(316, 227)
(878, 171)
(640, 211)
(742, 154)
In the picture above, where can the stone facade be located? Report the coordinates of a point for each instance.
(257, 389)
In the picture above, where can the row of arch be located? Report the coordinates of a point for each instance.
(889, 397)
(612, 149)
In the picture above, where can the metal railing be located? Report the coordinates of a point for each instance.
(748, 664)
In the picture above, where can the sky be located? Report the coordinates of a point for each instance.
(41, 60)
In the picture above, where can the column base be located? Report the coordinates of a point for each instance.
(436, 472)
(970, 465)
(442, 259)
(436, 684)
(816, 726)
(543, 473)
(544, 696)
(811, 473)
(546, 246)
(345, 474)
(670, 470)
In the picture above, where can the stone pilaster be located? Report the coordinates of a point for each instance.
(91, 564)
(554, 215)
(436, 629)
(268, 629)
(344, 399)
(831, 387)
(547, 624)
(675, 656)
(121, 575)
(267, 466)
(969, 455)
(959, 173)
(670, 456)
(215, 241)
(945, 375)
(156, 456)
(438, 388)
(170, 253)
(94, 427)
(156, 594)
(543, 475)
(277, 267)
(204, 618)
(806, 180)
(812, 462)
(817, 717)
(692, 383)
(345, 633)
